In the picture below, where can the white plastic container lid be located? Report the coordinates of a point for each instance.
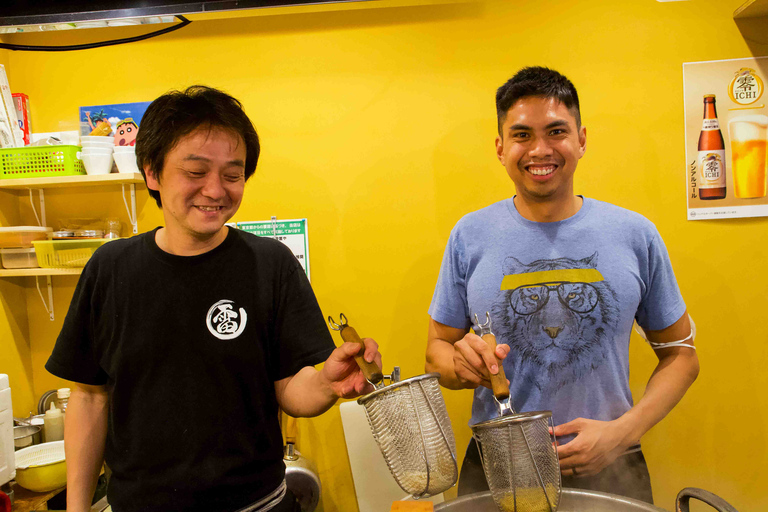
(17, 250)
(18, 229)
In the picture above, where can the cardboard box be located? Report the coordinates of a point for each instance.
(21, 103)
(9, 109)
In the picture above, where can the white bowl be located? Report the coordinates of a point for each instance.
(105, 145)
(97, 163)
(126, 162)
(96, 151)
(98, 138)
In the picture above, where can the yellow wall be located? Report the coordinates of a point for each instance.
(15, 347)
(378, 126)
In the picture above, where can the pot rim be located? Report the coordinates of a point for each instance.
(394, 385)
(470, 498)
(34, 430)
(522, 417)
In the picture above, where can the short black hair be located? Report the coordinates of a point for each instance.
(176, 114)
(536, 81)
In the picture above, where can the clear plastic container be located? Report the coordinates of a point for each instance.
(23, 236)
(66, 253)
(19, 258)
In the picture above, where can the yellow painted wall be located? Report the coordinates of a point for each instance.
(15, 347)
(378, 126)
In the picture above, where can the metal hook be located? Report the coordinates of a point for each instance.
(334, 325)
(484, 328)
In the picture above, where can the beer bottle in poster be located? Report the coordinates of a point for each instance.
(711, 154)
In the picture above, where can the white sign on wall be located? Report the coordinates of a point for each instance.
(292, 232)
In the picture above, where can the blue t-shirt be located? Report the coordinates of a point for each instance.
(563, 295)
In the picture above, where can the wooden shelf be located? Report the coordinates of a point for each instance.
(13, 272)
(73, 181)
(752, 9)
(29, 501)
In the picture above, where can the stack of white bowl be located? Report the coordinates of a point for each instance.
(125, 158)
(97, 153)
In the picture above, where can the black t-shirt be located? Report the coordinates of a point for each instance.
(190, 348)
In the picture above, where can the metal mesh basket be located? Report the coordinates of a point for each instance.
(520, 461)
(411, 425)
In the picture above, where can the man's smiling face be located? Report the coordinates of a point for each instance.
(202, 183)
(540, 145)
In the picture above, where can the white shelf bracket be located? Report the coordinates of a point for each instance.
(48, 307)
(132, 210)
(41, 219)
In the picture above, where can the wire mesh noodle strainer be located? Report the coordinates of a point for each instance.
(519, 454)
(411, 426)
(520, 461)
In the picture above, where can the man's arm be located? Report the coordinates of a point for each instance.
(462, 358)
(598, 443)
(85, 434)
(311, 392)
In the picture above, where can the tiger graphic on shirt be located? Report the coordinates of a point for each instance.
(555, 315)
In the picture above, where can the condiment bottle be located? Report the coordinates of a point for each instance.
(62, 396)
(53, 424)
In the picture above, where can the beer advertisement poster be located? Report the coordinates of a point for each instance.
(726, 133)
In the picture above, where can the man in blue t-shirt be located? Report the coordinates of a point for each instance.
(564, 278)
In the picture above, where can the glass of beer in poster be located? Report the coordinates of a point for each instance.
(749, 137)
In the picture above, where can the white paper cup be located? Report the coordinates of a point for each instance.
(126, 162)
(125, 149)
(97, 163)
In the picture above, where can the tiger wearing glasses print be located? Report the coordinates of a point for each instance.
(555, 315)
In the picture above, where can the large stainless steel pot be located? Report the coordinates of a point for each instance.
(300, 473)
(577, 500)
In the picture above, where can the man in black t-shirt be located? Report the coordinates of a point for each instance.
(184, 342)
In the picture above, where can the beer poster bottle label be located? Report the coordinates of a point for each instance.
(712, 167)
(710, 125)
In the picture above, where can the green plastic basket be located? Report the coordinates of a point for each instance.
(40, 162)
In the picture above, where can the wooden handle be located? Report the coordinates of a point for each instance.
(291, 429)
(498, 381)
(371, 371)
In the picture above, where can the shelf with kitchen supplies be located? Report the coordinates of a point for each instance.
(39, 184)
(85, 180)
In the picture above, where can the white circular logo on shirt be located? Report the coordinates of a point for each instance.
(224, 322)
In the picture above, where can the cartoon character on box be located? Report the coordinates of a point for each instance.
(126, 132)
(99, 123)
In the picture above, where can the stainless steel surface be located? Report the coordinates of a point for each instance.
(411, 426)
(301, 478)
(716, 502)
(577, 500)
(26, 436)
(571, 500)
(523, 417)
(396, 384)
(300, 473)
(520, 461)
(45, 401)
